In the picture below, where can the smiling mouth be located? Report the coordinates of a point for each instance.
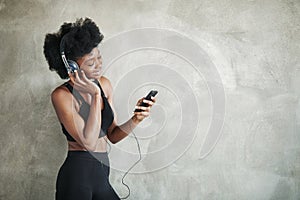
(97, 72)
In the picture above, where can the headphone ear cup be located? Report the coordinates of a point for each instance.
(73, 65)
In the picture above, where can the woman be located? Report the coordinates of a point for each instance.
(84, 109)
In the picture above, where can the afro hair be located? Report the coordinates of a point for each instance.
(80, 38)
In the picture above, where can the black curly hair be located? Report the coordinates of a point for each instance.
(82, 36)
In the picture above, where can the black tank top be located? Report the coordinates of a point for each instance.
(107, 115)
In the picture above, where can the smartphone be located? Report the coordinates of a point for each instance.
(152, 93)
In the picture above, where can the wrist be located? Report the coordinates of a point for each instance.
(97, 97)
(135, 120)
(96, 92)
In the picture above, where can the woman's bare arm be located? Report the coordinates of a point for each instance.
(85, 134)
(117, 133)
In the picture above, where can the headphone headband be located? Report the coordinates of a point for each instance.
(62, 44)
(69, 64)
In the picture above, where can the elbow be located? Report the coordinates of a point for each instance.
(110, 136)
(90, 146)
(111, 139)
(114, 142)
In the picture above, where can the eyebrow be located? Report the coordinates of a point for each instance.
(92, 58)
(88, 60)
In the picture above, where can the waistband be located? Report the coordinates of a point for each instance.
(90, 155)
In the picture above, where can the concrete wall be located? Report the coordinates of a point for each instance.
(254, 45)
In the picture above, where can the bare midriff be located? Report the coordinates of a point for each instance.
(101, 145)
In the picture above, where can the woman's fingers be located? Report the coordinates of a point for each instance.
(72, 78)
(143, 108)
(147, 101)
(82, 83)
(75, 74)
(84, 78)
(153, 99)
(78, 78)
(139, 101)
(150, 103)
(142, 113)
(146, 114)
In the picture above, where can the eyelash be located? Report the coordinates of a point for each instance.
(94, 62)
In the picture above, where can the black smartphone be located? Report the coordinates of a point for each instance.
(152, 93)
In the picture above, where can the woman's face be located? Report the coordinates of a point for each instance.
(91, 64)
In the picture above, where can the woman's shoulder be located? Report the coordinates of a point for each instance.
(104, 80)
(60, 91)
(106, 85)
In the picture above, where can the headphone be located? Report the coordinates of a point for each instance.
(70, 65)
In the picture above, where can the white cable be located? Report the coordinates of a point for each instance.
(140, 158)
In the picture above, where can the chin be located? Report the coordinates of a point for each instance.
(92, 76)
(96, 76)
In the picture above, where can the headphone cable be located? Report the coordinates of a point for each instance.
(140, 158)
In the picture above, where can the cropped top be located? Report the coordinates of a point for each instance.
(107, 115)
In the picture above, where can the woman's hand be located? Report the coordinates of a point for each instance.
(83, 84)
(139, 116)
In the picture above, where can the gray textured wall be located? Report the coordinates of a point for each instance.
(253, 44)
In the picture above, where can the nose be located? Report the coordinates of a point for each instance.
(99, 63)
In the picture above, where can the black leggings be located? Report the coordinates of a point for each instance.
(85, 176)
